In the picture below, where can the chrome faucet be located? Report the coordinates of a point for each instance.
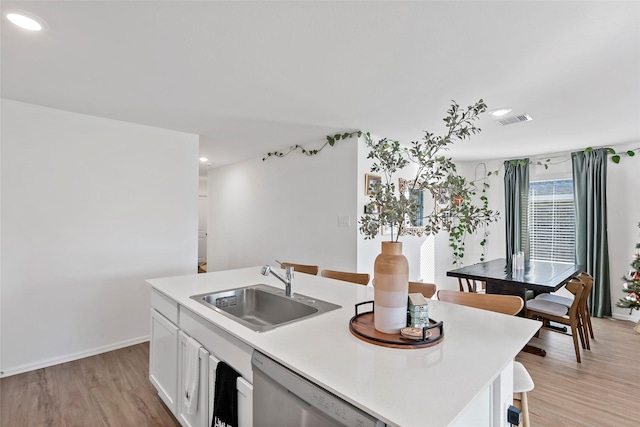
(287, 280)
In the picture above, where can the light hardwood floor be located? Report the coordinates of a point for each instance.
(113, 389)
(602, 391)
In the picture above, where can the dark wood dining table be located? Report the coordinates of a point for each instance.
(537, 276)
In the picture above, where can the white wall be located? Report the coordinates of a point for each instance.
(91, 208)
(286, 209)
(202, 186)
(623, 215)
(1, 364)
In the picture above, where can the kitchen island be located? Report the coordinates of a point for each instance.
(465, 380)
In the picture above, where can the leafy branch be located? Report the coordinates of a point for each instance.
(455, 210)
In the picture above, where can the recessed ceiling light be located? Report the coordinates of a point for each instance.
(203, 159)
(500, 111)
(25, 22)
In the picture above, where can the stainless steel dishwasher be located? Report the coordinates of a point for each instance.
(283, 398)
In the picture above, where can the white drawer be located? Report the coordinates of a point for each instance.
(164, 305)
(219, 343)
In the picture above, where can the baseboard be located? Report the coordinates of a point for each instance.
(71, 357)
(628, 317)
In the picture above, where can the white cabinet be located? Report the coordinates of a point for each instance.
(201, 416)
(167, 361)
(163, 358)
(489, 408)
(245, 396)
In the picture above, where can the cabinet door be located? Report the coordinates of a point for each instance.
(245, 403)
(163, 359)
(245, 396)
(199, 419)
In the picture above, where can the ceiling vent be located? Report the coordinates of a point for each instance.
(514, 119)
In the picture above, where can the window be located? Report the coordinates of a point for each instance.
(551, 221)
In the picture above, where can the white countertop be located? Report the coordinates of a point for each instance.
(403, 387)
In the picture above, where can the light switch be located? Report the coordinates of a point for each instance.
(344, 221)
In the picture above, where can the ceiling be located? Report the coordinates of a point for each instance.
(253, 77)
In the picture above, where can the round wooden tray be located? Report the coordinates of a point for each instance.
(362, 326)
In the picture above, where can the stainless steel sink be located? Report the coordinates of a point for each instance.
(262, 307)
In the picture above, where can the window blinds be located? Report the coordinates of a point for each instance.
(551, 221)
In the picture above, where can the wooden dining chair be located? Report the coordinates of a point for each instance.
(584, 306)
(359, 278)
(426, 289)
(506, 304)
(548, 311)
(587, 279)
(301, 268)
(472, 285)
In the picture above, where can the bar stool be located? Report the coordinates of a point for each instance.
(522, 384)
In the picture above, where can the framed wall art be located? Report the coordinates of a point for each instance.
(370, 181)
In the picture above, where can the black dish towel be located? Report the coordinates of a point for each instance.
(225, 400)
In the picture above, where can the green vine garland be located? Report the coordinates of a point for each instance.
(331, 140)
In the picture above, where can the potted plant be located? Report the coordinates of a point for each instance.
(453, 210)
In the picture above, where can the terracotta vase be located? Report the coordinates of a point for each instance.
(391, 288)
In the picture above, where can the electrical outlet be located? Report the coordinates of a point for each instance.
(513, 415)
(344, 221)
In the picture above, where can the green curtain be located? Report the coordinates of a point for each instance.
(516, 197)
(592, 249)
